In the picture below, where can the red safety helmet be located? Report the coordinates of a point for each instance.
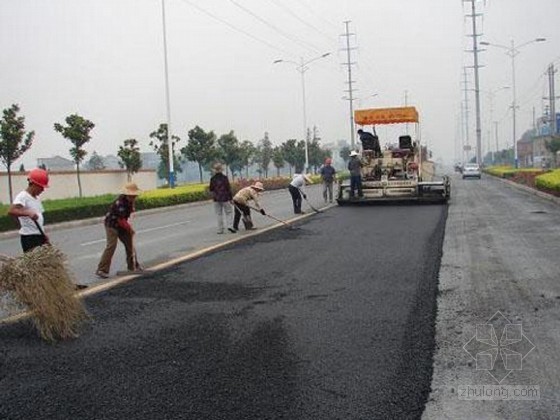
(39, 177)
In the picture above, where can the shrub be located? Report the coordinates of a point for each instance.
(549, 182)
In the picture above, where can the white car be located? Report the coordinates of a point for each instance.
(471, 170)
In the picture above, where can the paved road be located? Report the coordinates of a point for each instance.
(334, 320)
(500, 254)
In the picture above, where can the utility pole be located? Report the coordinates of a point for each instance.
(465, 113)
(475, 36)
(350, 89)
(167, 102)
(552, 100)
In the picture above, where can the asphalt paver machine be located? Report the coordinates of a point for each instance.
(401, 170)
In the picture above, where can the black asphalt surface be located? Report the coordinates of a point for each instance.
(334, 320)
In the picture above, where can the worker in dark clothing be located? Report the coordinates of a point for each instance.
(221, 193)
(369, 142)
(355, 168)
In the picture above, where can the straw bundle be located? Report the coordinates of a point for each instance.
(40, 281)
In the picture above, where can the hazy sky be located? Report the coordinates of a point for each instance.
(103, 59)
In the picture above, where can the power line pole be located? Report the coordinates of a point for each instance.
(465, 114)
(350, 89)
(475, 36)
(552, 100)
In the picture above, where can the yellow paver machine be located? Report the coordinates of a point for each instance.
(399, 172)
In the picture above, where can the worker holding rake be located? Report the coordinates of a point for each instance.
(118, 228)
(298, 182)
(241, 205)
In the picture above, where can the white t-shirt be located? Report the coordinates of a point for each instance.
(298, 181)
(29, 202)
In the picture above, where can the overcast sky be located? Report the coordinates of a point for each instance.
(104, 60)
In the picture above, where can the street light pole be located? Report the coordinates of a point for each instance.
(167, 101)
(301, 67)
(513, 51)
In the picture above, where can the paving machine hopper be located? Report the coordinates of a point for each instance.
(400, 172)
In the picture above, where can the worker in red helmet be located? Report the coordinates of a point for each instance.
(328, 176)
(28, 210)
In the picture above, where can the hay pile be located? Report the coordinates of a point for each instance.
(40, 281)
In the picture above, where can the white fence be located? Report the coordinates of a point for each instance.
(65, 184)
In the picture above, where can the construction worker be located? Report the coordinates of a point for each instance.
(117, 228)
(355, 168)
(295, 188)
(328, 175)
(241, 206)
(221, 192)
(28, 209)
(370, 142)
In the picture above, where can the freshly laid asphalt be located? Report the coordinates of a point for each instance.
(333, 320)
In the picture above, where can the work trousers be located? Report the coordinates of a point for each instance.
(328, 190)
(113, 236)
(296, 198)
(356, 183)
(246, 211)
(222, 208)
(28, 242)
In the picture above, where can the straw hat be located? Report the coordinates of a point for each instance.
(258, 186)
(307, 178)
(130, 188)
(353, 153)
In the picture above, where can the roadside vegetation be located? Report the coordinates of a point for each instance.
(545, 180)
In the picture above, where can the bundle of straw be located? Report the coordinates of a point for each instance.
(40, 281)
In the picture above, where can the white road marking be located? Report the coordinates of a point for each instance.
(139, 231)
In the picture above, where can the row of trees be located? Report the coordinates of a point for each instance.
(202, 147)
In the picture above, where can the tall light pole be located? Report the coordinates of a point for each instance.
(302, 67)
(513, 51)
(167, 101)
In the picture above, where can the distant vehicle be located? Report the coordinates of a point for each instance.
(471, 170)
(458, 167)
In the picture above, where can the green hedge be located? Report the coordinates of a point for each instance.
(549, 181)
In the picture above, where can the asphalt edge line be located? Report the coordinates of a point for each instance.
(161, 266)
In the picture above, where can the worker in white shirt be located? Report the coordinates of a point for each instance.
(241, 205)
(298, 182)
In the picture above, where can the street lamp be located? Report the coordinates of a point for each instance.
(301, 67)
(491, 95)
(168, 106)
(513, 51)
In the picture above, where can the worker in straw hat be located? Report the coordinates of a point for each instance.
(221, 193)
(118, 228)
(28, 209)
(241, 204)
(298, 182)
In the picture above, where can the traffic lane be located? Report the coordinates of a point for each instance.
(161, 236)
(334, 320)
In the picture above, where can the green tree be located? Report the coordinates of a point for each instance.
(159, 144)
(77, 131)
(553, 146)
(22, 168)
(294, 153)
(201, 148)
(344, 154)
(278, 159)
(96, 162)
(263, 155)
(230, 152)
(130, 159)
(247, 152)
(14, 141)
